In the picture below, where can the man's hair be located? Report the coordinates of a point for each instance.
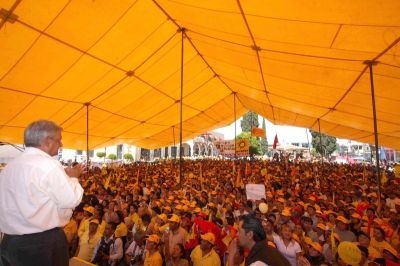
(253, 224)
(38, 130)
(113, 225)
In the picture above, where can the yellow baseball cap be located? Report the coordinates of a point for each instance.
(209, 237)
(162, 216)
(321, 226)
(356, 216)
(89, 209)
(342, 219)
(154, 238)
(286, 212)
(174, 218)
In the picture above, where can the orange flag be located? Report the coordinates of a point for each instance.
(238, 179)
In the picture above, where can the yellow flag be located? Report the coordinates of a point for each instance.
(384, 177)
(178, 177)
(365, 173)
(333, 242)
(107, 183)
(201, 176)
(238, 179)
(137, 178)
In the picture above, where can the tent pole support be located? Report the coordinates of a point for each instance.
(182, 30)
(371, 63)
(320, 141)
(234, 111)
(87, 139)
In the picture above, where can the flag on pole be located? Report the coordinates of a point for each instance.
(178, 177)
(238, 179)
(275, 141)
(257, 132)
(137, 177)
(365, 174)
(201, 176)
(384, 177)
(333, 244)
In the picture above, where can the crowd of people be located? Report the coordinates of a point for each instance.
(148, 214)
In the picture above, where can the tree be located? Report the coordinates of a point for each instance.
(112, 156)
(328, 143)
(100, 154)
(249, 120)
(128, 157)
(264, 141)
(255, 147)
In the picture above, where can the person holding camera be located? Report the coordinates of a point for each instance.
(109, 249)
(135, 251)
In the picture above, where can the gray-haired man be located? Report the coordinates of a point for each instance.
(37, 196)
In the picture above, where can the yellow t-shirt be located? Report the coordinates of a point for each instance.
(86, 246)
(83, 226)
(210, 259)
(153, 260)
(380, 246)
(70, 230)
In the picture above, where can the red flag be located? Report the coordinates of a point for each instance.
(275, 141)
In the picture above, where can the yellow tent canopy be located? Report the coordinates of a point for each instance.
(293, 62)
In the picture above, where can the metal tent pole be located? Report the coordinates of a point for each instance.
(87, 139)
(234, 111)
(320, 140)
(371, 63)
(181, 105)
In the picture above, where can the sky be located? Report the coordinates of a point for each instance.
(286, 134)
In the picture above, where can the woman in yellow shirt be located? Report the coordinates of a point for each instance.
(378, 240)
(153, 256)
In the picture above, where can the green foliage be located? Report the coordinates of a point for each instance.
(264, 141)
(328, 143)
(249, 120)
(100, 154)
(112, 156)
(128, 156)
(255, 146)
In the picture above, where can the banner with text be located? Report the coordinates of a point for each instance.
(227, 147)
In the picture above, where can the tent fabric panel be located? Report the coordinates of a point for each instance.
(11, 104)
(40, 69)
(195, 73)
(12, 134)
(38, 108)
(39, 16)
(87, 70)
(147, 106)
(224, 15)
(383, 85)
(171, 115)
(14, 41)
(149, 32)
(292, 31)
(365, 38)
(122, 95)
(87, 19)
(332, 12)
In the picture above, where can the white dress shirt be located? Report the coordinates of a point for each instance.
(36, 194)
(289, 252)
